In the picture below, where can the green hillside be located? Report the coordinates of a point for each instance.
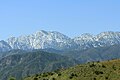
(107, 70)
(22, 63)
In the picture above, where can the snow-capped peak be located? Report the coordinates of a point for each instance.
(102, 39)
(40, 40)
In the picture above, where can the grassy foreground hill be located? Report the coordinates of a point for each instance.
(106, 70)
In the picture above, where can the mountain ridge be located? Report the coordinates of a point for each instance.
(56, 40)
(22, 63)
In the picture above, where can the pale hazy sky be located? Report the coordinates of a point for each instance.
(70, 17)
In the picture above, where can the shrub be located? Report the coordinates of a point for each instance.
(35, 78)
(50, 73)
(59, 74)
(98, 72)
(103, 66)
(70, 77)
(44, 75)
(106, 77)
(72, 74)
(92, 65)
(94, 78)
(53, 79)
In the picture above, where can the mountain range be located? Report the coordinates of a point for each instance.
(45, 51)
(55, 40)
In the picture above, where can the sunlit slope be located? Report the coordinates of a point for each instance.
(107, 70)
